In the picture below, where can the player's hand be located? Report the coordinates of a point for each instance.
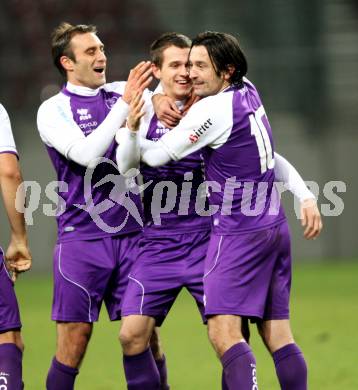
(311, 219)
(135, 112)
(192, 100)
(18, 257)
(138, 80)
(166, 110)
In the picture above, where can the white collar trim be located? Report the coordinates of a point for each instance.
(80, 90)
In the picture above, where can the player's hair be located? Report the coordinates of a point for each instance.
(61, 41)
(163, 42)
(224, 52)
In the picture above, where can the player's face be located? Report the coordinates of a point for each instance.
(173, 73)
(203, 75)
(89, 67)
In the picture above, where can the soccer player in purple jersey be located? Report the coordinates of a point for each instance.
(174, 243)
(17, 259)
(248, 265)
(151, 292)
(98, 224)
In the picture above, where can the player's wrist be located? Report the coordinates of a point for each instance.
(127, 98)
(19, 238)
(126, 132)
(132, 127)
(308, 199)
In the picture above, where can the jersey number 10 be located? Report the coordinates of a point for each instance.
(262, 138)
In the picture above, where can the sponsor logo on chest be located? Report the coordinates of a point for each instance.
(83, 114)
(158, 132)
(161, 130)
(86, 124)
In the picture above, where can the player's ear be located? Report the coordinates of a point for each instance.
(66, 63)
(230, 69)
(156, 71)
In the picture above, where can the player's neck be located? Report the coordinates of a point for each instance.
(179, 102)
(225, 85)
(81, 90)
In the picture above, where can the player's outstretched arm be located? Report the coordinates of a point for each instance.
(58, 129)
(203, 125)
(128, 150)
(18, 256)
(310, 216)
(286, 173)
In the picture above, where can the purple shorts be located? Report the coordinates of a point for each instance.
(9, 309)
(86, 273)
(249, 274)
(165, 265)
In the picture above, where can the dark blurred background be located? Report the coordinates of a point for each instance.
(302, 55)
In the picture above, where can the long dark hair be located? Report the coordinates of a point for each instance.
(224, 51)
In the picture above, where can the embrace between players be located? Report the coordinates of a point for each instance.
(225, 238)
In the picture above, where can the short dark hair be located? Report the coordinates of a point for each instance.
(61, 39)
(224, 51)
(163, 42)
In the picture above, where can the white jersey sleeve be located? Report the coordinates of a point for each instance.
(207, 123)
(292, 180)
(58, 129)
(56, 125)
(7, 143)
(120, 86)
(128, 150)
(116, 86)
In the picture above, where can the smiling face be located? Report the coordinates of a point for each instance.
(206, 81)
(173, 73)
(88, 66)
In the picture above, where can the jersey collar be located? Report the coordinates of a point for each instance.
(180, 104)
(82, 91)
(229, 88)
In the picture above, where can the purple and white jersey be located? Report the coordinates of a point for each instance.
(7, 143)
(238, 155)
(185, 176)
(9, 309)
(91, 210)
